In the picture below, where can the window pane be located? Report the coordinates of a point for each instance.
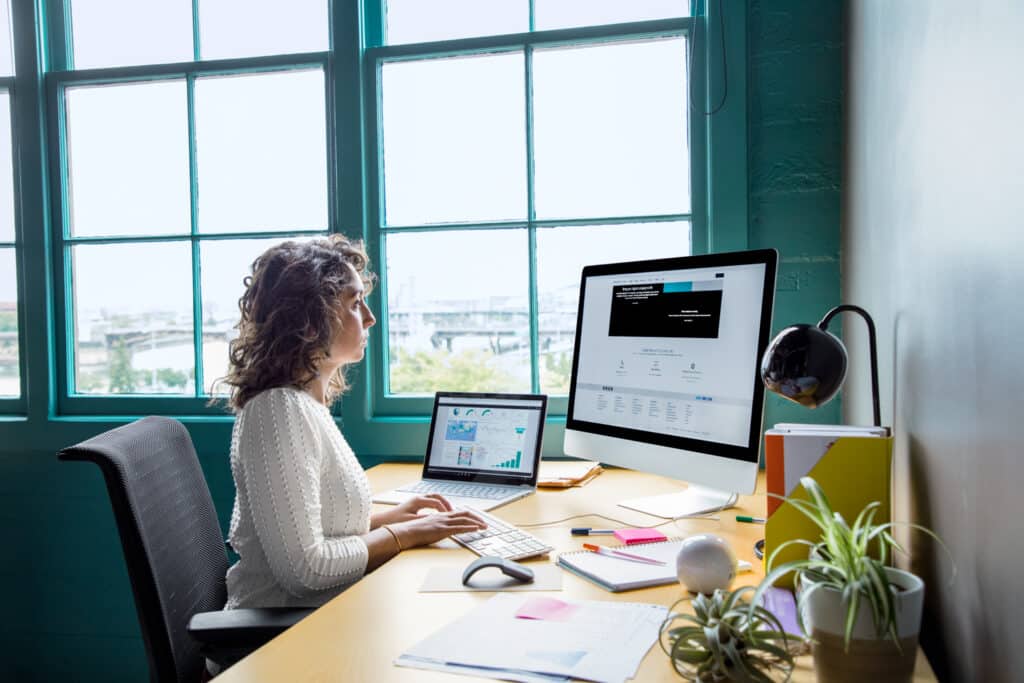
(128, 159)
(225, 263)
(248, 28)
(126, 32)
(133, 318)
(10, 380)
(420, 21)
(566, 13)
(610, 126)
(561, 254)
(261, 152)
(454, 140)
(6, 171)
(6, 51)
(458, 312)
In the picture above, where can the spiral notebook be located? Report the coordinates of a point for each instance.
(616, 575)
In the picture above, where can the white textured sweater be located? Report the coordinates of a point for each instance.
(302, 501)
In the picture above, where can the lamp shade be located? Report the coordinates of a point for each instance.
(805, 364)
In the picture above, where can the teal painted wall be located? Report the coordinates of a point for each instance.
(68, 612)
(795, 150)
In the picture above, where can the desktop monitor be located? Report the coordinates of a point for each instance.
(665, 373)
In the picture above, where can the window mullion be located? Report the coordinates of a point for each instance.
(531, 215)
(195, 30)
(197, 283)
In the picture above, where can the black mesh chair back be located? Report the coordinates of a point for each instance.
(169, 531)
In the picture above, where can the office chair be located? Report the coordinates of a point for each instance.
(174, 551)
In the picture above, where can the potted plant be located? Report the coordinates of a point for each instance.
(728, 639)
(863, 617)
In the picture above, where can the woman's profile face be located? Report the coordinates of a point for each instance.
(349, 342)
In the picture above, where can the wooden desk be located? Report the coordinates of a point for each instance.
(358, 635)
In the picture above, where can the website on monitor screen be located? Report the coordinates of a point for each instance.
(671, 352)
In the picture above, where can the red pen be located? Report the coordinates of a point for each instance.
(611, 552)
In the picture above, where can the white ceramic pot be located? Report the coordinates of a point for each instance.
(868, 657)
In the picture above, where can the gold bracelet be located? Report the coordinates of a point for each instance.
(398, 541)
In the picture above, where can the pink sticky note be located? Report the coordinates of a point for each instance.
(633, 536)
(545, 608)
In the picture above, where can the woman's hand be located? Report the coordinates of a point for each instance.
(427, 529)
(410, 509)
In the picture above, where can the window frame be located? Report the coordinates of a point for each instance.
(396, 425)
(15, 404)
(61, 76)
(355, 28)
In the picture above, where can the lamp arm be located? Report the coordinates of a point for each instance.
(823, 325)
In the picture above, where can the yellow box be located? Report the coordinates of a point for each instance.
(852, 465)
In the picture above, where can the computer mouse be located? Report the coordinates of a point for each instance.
(508, 567)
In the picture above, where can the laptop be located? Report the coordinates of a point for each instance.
(483, 450)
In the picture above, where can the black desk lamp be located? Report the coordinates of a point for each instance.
(807, 364)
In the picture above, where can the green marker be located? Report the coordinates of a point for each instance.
(750, 520)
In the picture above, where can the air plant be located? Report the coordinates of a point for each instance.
(728, 639)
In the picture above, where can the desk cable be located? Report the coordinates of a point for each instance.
(698, 516)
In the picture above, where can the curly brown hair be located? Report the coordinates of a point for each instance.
(288, 316)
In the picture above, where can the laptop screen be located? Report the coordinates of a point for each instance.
(493, 438)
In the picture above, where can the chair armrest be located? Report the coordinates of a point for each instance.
(250, 628)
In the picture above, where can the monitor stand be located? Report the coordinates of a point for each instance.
(695, 500)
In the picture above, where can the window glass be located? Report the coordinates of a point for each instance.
(224, 264)
(458, 311)
(6, 44)
(561, 254)
(420, 21)
(550, 14)
(10, 379)
(248, 28)
(261, 152)
(610, 130)
(127, 160)
(128, 32)
(133, 318)
(454, 139)
(6, 171)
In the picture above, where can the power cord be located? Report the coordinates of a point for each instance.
(698, 515)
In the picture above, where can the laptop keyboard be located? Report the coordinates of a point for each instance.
(502, 539)
(458, 489)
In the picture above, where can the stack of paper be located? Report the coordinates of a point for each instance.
(593, 640)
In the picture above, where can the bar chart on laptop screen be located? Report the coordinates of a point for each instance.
(485, 438)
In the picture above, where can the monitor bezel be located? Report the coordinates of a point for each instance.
(748, 453)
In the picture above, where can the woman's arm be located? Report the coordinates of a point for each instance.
(389, 539)
(410, 509)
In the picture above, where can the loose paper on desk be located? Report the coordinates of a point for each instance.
(599, 641)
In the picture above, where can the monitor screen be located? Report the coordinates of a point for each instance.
(667, 355)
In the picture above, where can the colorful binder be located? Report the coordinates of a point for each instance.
(852, 464)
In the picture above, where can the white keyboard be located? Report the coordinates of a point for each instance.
(502, 539)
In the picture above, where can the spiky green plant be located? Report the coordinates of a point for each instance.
(728, 639)
(849, 559)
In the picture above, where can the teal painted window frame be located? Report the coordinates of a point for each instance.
(356, 29)
(15, 404)
(63, 76)
(388, 425)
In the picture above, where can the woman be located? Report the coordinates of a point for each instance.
(301, 523)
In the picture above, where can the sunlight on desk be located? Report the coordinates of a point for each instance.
(358, 635)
